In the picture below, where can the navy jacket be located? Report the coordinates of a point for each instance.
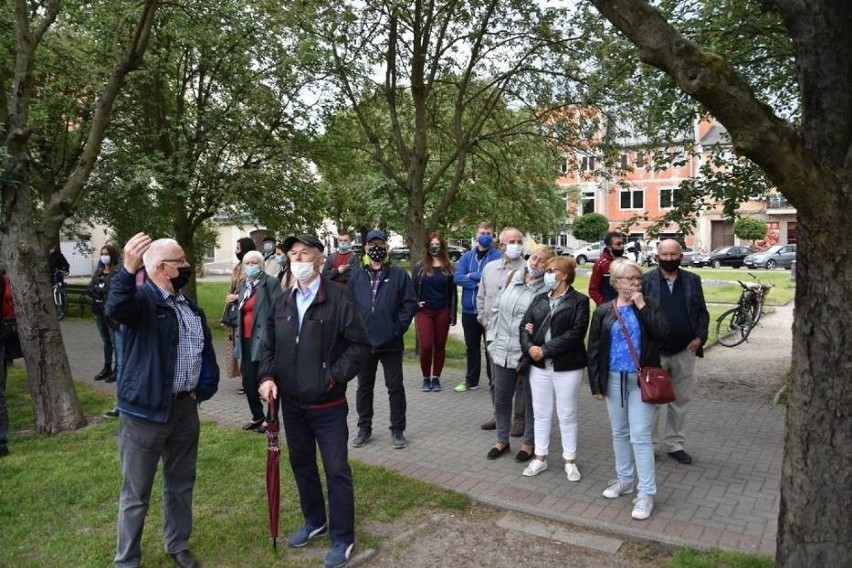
(699, 317)
(452, 297)
(311, 364)
(150, 349)
(388, 317)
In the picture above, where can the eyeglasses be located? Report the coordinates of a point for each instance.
(633, 278)
(178, 261)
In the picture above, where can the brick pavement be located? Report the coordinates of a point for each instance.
(728, 497)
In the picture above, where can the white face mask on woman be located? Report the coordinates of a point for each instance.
(302, 270)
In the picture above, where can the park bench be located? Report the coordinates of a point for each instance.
(77, 296)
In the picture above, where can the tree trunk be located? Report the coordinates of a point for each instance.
(55, 404)
(815, 519)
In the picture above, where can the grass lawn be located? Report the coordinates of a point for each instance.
(59, 498)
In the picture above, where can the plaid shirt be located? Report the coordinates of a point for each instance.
(190, 343)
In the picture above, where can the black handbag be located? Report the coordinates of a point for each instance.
(231, 315)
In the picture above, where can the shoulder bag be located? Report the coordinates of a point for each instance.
(654, 382)
(231, 315)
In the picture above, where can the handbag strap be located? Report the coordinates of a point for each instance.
(627, 337)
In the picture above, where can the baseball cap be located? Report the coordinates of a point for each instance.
(377, 234)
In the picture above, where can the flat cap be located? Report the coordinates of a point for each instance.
(309, 240)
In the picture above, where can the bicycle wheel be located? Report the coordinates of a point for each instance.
(733, 327)
(756, 310)
(60, 300)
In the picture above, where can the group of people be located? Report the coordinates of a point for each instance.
(535, 323)
(309, 323)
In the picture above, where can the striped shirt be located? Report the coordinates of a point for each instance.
(190, 343)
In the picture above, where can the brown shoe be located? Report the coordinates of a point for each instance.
(517, 429)
(490, 425)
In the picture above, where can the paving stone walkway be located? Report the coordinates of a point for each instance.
(728, 497)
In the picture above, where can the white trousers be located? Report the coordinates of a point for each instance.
(563, 387)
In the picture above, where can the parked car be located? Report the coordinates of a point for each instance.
(588, 253)
(778, 255)
(400, 253)
(455, 252)
(689, 254)
(724, 256)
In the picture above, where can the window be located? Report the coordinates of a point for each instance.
(632, 199)
(624, 161)
(670, 198)
(640, 159)
(564, 167)
(587, 164)
(588, 202)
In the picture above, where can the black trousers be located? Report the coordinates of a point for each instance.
(392, 368)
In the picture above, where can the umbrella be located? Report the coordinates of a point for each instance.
(273, 474)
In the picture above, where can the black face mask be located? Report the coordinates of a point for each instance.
(617, 252)
(179, 281)
(435, 251)
(669, 265)
(240, 256)
(378, 253)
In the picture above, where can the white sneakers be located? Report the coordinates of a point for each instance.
(535, 467)
(642, 507)
(572, 472)
(617, 488)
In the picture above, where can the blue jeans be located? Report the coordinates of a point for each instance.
(118, 335)
(632, 424)
(305, 429)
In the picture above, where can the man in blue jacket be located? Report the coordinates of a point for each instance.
(169, 368)
(384, 295)
(468, 274)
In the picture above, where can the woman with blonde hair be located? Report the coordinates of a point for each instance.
(628, 321)
(504, 347)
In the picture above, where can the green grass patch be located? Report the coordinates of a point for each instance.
(59, 500)
(715, 558)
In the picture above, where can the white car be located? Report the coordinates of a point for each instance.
(588, 253)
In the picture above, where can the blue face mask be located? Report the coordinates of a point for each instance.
(252, 272)
(485, 241)
(549, 280)
(279, 258)
(343, 247)
(268, 247)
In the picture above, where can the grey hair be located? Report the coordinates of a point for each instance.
(156, 253)
(621, 266)
(254, 254)
(504, 232)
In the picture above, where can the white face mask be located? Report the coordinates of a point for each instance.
(514, 250)
(549, 280)
(302, 270)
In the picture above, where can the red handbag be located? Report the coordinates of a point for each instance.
(654, 382)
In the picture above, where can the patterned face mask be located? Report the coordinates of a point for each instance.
(378, 253)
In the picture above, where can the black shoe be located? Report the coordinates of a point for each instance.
(110, 378)
(103, 374)
(681, 457)
(496, 452)
(111, 413)
(185, 559)
(253, 425)
(523, 456)
(398, 438)
(364, 435)
(490, 425)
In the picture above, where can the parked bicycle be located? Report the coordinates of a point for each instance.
(60, 296)
(734, 326)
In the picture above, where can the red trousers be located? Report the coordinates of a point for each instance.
(433, 326)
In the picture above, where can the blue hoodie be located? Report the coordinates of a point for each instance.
(468, 274)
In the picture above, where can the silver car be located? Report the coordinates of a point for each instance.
(778, 255)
